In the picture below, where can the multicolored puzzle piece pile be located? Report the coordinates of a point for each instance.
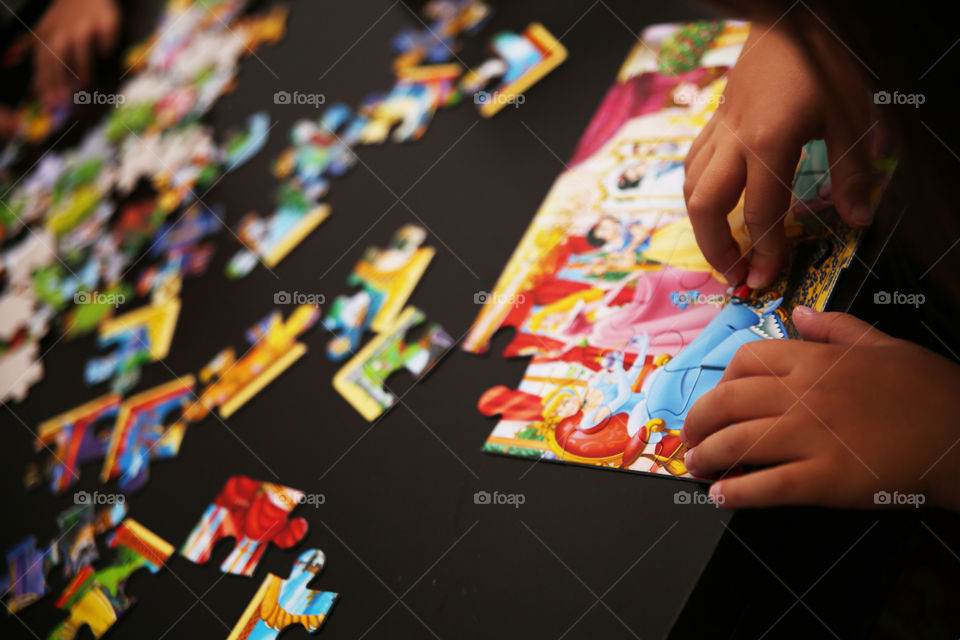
(74, 234)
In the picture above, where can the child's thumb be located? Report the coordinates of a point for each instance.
(836, 328)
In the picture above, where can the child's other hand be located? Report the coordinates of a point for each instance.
(846, 414)
(70, 35)
(773, 104)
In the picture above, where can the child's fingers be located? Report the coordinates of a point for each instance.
(732, 402)
(792, 483)
(50, 73)
(837, 328)
(759, 441)
(765, 205)
(106, 33)
(705, 136)
(693, 167)
(852, 176)
(714, 195)
(762, 358)
(82, 56)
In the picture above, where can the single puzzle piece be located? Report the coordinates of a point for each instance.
(387, 278)
(280, 603)
(16, 310)
(244, 145)
(254, 514)
(521, 61)
(196, 223)
(270, 239)
(20, 369)
(96, 598)
(139, 336)
(28, 567)
(362, 381)
(231, 383)
(178, 244)
(141, 433)
(437, 41)
(315, 147)
(409, 107)
(73, 439)
(35, 251)
(79, 527)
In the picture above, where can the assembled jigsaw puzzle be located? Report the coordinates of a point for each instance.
(625, 322)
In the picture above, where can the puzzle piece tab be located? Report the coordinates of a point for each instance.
(280, 603)
(254, 514)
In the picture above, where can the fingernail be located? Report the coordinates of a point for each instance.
(860, 215)
(755, 280)
(689, 462)
(683, 437)
(716, 493)
(803, 311)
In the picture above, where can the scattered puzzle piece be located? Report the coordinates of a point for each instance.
(280, 603)
(232, 383)
(437, 41)
(521, 61)
(139, 336)
(141, 433)
(96, 598)
(387, 277)
(26, 580)
(252, 512)
(74, 439)
(79, 526)
(362, 381)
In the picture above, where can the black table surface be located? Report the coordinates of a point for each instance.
(589, 553)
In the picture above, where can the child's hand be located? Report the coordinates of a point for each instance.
(70, 35)
(841, 417)
(773, 104)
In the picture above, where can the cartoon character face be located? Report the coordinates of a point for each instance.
(607, 229)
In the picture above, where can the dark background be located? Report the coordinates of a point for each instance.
(589, 553)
